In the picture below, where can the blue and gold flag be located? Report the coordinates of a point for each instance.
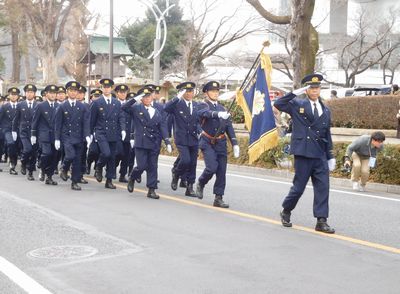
(255, 102)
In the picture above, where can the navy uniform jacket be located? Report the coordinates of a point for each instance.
(128, 125)
(210, 124)
(23, 119)
(106, 121)
(186, 125)
(148, 131)
(72, 124)
(310, 138)
(7, 114)
(43, 122)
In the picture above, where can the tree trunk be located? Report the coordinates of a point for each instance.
(50, 75)
(16, 56)
(304, 40)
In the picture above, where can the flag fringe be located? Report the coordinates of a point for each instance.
(265, 142)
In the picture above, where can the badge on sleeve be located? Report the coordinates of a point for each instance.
(301, 110)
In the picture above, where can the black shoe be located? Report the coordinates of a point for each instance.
(30, 176)
(1, 170)
(183, 184)
(13, 172)
(64, 175)
(109, 184)
(41, 175)
(50, 181)
(87, 170)
(98, 174)
(131, 185)
(139, 180)
(285, 218)
(75, 186)
(56, 171)
(174, 182)
(199, 191)
(322, 226)
(189, 191)
(23, 169)
(83, 181)
(152, 194)
(218, 202)
(123, 180)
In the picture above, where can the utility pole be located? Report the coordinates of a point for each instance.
(111, 41)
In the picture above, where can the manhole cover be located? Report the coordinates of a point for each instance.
(63, 252)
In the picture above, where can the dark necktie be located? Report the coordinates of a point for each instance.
(190, 111)
(30, 105)
(73, 104)
(316, 116)
(13, 106)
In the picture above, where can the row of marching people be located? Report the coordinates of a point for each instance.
(113, 131)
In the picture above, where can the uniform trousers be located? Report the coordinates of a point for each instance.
(146, 160)
(123, 157)
(186, 166)
(108, 151)
(12, 148)
(28, 155)
(317, 169)
(48, 158)
(72, 156)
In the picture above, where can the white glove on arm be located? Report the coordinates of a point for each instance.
(57, 144)
(88, 141)
(33, 140)
(169, 148)
(300, 91)
(332, 164)
(181, 93)
(224, 114)
(236, 151)
(132, 142)
(123, 135)
(138, 97)
(14, 136)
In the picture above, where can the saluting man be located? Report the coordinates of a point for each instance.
(42, 131)
(150, 129)
(71, 129)
(215, 123)
(22, 125)
(7, 114)
(186, 132)
(311, 145)
(107, 126)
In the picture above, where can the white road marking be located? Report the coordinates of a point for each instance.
(20, 278)
(308, 186)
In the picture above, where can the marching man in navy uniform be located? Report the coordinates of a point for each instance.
(149, 128)
(311, 145)
(214, 121)
(42, 132)
(22, 124)
(186, 132)
(71, 129)
(7, 114)
(107, 126)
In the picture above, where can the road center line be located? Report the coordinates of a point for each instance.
(268, 220)
(20, 278)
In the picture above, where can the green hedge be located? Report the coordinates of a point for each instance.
(386, 172)
(371, 112)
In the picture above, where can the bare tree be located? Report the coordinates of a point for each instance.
(391, 62)
(303, 36)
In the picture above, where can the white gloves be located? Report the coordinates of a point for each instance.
(224, 114)
(138, 97)
(332, 164)
(33, 140)
(123, 135)
(300, 91)
(132, 142)
(14, 136)
(57, 144)
(398, 115)
(169, 148)
(181, 93)
(236, 151)
(88, 141)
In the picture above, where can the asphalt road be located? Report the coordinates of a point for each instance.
(102, 241)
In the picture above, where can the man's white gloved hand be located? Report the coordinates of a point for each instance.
(88, 141)
(224, 114)
(14, 136)
(332, 164)
(300, 91)
(138, 97)
(123, 135)
(169, 148)
(236, 151)
(132, 142)
(33, 140)
(181, 93)
(57, 144)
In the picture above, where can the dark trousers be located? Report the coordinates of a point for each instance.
(107, 155)
(84, 151)
(215, 164)
(12, 148)
(123, 157)
(146, 160)
(317, 169)
(93, 153)
(73, 156)
(28, 155)
(186, 166)
(48, 158)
